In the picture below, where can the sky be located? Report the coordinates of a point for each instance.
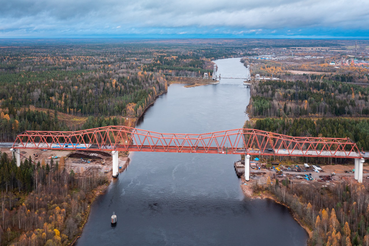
(184, 18)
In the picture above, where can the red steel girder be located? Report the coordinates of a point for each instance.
(236, 141)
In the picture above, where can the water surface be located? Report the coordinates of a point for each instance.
(190, 199)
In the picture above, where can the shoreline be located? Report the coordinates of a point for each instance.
(248, 192)
(192, 82)
(101, 190)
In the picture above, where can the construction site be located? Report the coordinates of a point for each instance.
(304, 174)
(80, 161)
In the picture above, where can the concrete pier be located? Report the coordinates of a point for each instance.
(247, 167)
(357, 168)
(115, 157)
(17, 156)
(360, 169)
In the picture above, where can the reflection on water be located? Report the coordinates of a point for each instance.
(190, 199)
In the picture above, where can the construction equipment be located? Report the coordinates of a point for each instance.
(298, 168)
(278, 169)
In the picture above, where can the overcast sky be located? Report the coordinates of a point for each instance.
(184, 18)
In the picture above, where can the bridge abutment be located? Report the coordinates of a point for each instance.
(115, 158)
(247, 167)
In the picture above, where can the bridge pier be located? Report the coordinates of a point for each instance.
(360, 169)
(17, 156)
(357, 168)
(247, 167)
(115, 158)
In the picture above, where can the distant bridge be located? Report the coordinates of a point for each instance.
(234, 78)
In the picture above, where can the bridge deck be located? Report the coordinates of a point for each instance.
(188, 149)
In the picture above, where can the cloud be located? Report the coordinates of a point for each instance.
(240, 16)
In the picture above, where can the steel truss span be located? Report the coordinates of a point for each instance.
(236, 141)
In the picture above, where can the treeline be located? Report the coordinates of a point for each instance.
(356, 130)
(180, 65)
(337, 214)
(16, 121)
(42, 204)
(84, 95)
(327, 98)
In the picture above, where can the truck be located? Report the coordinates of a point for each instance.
(317, 168)
(308, 177)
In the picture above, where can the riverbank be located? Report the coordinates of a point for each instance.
(248, 191)
(191, 82)
(101, 190)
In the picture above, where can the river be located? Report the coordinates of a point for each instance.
(190, 199)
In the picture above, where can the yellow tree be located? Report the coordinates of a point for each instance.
(348, 241)
(325, 219)
(309, 209)
(335, 238)
(317, 223)
(329, 241)
(346, 230)
(33, 239)
(62, 162)
(333, 219)
(15, 125)
(366, 240)
(268, 180)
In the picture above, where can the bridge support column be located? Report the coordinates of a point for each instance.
(17, 156)
(247, 167)
(114, 155)
(360, 175)
(357, 168)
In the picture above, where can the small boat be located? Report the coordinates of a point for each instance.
(114, 219)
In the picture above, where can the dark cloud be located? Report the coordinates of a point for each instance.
(83, 16)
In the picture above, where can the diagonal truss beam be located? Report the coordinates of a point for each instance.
(236, 141)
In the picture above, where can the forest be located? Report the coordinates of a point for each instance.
(315, 99)
(181, 65)
(43, 204)
(355, 129)
(18, 121)
(93, 94)
(101, 86)
(336, 214)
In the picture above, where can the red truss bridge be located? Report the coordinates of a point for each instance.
(237, 141)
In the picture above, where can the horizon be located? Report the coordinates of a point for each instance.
(283, 19)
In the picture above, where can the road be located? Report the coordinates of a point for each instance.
(6, 144)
